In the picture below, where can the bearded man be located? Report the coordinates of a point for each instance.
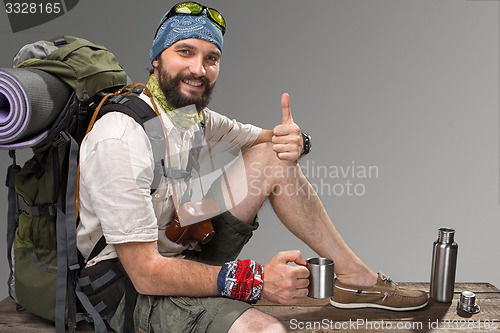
(185, 284)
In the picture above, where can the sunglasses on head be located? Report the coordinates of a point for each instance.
(194, 8)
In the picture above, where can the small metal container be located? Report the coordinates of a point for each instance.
(467, 303)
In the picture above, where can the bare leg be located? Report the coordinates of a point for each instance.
(254, 321)
(297, 206)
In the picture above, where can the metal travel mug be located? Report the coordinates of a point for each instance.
(444, 263)
(320, 277)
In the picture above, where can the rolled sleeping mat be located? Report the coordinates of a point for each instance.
(30, 101)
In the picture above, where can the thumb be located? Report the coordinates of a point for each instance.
(286, 113)
(293, 256)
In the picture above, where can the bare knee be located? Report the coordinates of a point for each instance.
(264, 152)
(254, 321)
(262, 162)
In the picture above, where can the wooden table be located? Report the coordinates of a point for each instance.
(317, 315)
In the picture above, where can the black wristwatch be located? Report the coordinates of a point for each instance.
(307, 143)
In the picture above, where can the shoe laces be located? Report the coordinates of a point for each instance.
(389, 282)
(387, 279)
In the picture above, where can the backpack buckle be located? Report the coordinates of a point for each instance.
(60, 42)
(118, 99)
(44, 210)
(61, 139)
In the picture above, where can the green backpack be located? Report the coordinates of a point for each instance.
(86, 67)
(42, 214)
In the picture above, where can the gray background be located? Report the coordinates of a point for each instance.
(408, 87)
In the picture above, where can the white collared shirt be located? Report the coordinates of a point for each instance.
(116, 171)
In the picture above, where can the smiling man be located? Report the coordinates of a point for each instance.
(181, 89)
(186, 284)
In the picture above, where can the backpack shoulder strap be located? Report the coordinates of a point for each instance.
(131, 105)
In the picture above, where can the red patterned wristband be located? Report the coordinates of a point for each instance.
(241, 280)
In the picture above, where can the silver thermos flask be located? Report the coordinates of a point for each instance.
(444, 263)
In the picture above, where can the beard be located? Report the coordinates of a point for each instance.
(170, 86)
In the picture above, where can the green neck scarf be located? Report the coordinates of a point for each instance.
(182, 118)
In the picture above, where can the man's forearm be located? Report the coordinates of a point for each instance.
(265, 135)
(153, 274)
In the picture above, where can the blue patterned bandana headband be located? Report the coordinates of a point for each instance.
(181, 27)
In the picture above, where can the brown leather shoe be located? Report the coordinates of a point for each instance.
(385, 294)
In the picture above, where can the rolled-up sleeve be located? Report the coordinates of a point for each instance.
(220, 128)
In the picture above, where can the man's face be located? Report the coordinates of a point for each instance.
(187, 71)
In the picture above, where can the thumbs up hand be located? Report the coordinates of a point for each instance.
(287, 138)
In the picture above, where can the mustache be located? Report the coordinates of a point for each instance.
(203, 79)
